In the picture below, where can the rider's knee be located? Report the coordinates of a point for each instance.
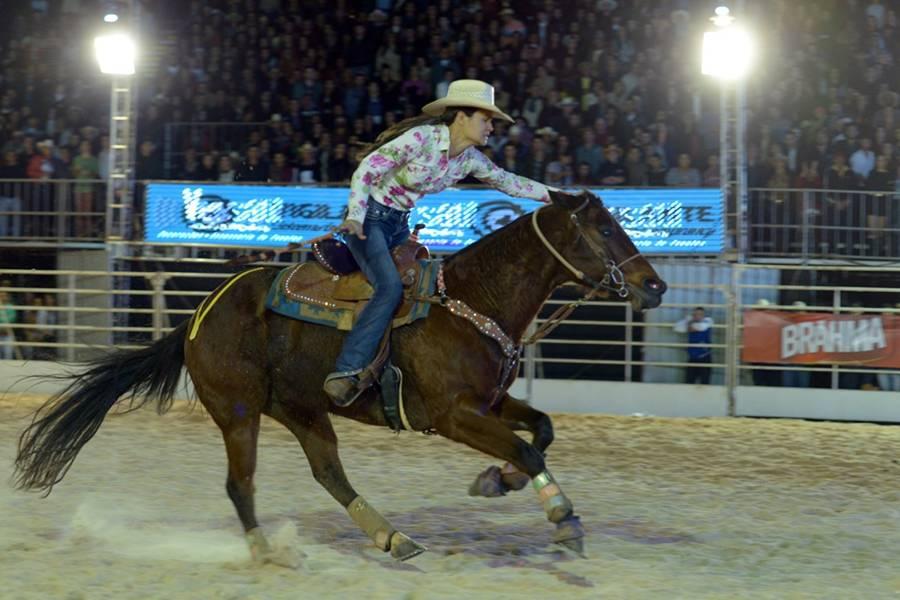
(392, 289)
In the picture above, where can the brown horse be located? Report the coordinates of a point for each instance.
(245, 362)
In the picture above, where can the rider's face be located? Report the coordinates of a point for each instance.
(478, 127)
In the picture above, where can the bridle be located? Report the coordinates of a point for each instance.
(614, 280)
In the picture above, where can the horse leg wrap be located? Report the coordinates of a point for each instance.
(556, 505)
(369, 520)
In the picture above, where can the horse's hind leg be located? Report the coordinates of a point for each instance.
(316, 435)
(241, 434)
(517, 415)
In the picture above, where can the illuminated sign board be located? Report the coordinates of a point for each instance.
(659, 221)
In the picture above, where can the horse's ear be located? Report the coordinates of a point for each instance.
(570, 201)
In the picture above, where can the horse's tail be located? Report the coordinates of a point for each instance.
(70, 418)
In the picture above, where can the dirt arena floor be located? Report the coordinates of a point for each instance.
(674, 508)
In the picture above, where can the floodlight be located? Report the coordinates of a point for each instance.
(728, 51)
(115, 53)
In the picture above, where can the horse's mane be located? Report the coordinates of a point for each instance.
(495, 246)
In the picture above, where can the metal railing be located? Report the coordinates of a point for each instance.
(65, 314)
(815, 223)
(55, 212)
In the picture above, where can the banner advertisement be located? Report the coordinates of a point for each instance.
(659, 221)
(772, 336)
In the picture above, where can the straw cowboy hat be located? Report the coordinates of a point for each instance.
(467, 93)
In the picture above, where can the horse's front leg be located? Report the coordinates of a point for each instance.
(490, 435)
(517, 415)
(314, 431)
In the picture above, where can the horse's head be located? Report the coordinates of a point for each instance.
(598, 254)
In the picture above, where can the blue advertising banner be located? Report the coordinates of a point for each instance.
(659, 221)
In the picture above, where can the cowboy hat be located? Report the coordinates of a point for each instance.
(467, 93)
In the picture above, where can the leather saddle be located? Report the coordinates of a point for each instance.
(335, 282)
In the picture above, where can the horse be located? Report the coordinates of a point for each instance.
(246, 361)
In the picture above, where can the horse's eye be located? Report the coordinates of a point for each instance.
(606, 232)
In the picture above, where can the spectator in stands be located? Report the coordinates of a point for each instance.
(863, 160)
(711, 175)
(280, 171)
(308, 167)
(837, 212)
(11, 167)
(339, 167)
(538, 160)
(698, 328)
(226, 171)
(656, 171)
(510, 160)
(635, 167)
(612, 172)
(253, 168)
(190, 166)
(808, 176)
(63, 163)
(684, 175)
(148, 163)
(86, 172)
(881, 179)
(583, 176)
(42, 164)
(207, 170)
(589, 152)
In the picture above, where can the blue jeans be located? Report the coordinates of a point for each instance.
(385, 228)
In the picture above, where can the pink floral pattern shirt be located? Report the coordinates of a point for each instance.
(417, 163)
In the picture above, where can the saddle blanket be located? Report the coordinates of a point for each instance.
(344, 314)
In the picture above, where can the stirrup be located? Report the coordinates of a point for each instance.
(343, 388)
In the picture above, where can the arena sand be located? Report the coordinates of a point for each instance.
(674, 508)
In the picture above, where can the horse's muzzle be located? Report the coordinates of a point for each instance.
(652, 292)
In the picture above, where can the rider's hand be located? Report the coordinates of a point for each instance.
(352, 228)
(548, 199)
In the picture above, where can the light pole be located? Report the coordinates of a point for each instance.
(728, 56)
(116, 53)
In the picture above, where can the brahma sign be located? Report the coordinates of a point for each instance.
(771, 336)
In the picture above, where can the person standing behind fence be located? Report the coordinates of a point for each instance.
(86, 170)
(698, 328)
(7, 318)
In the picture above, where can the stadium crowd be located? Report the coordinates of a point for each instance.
(604, 92)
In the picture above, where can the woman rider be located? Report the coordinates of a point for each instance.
(417, 156)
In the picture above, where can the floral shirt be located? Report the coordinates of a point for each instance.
(417, 163)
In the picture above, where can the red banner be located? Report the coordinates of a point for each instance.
(771, 336)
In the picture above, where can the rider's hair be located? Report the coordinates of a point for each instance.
(398, 129)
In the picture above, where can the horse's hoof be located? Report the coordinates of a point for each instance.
(403, 548)
(576, 546)
(570, 534)
(515, 481)
(259, 546)
(488, 484)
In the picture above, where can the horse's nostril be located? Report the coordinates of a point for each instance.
(656, 286)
